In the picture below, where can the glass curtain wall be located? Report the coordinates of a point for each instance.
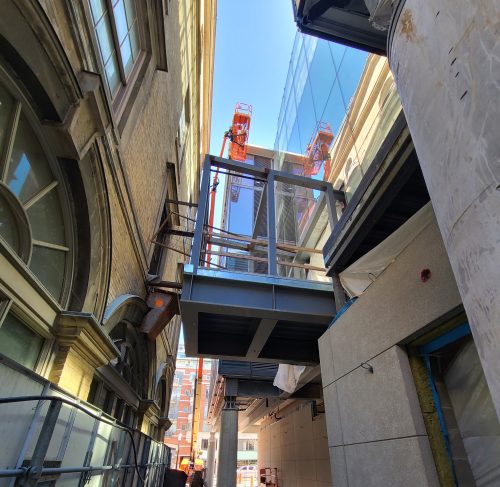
(350, 90)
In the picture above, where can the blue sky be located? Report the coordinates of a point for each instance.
(253, 45)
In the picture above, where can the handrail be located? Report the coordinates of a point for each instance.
(16, 472)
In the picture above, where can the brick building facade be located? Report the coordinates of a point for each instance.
(104, 118)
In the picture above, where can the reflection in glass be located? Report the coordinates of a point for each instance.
(126, 53)
(112, 74)
(6, 105)
(46, 219)
(48, 265)
(105, 38)
(28, 167)
(19, 342)
(98, 8)
(322, 75)
(8, 226)
(120, 20)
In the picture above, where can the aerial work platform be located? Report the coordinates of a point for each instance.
(256, 296)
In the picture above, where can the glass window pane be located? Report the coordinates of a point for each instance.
(306, 115)
(8, 227)
(46, 220)
(98, 7)
(130, 9)
(112, 74)
(28, 167)
(134, 40)
(6, 106)
(350, 72)
(120, 20)
(105, 38)
(19, 342)
(322, 75)
(337, 52)
(48, 266)
(126, 53)
(334, 111)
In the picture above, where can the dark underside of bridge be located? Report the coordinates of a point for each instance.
(254, 318)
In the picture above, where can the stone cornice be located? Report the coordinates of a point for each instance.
(82, 333)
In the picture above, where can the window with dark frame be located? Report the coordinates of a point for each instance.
(116, 28)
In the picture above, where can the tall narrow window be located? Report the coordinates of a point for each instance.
(117, 30)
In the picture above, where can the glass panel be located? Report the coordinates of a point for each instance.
(48, 266)
(134, 40)
(126, 54)
(8, 227)
(350, 72)
(6, 105)
(18, 342)
(334, 111)
(28, 167)
(105, 38)
(98, 7)
(322, 75)
(130, 10)
(295, 144)
(337, 52)
(120, 20)
(112, 74)
(46, 219)
(306, 115)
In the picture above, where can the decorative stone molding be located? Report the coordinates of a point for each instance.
(82, 347)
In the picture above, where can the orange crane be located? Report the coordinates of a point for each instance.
(238, 139)
(318, 150)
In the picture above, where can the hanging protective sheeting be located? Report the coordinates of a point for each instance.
(475, 414)
(288, 377)
(358, 276)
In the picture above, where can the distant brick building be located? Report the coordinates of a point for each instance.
(178, 437)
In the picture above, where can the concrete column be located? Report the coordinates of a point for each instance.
(209, 479)
(228, 444)
(444, 56)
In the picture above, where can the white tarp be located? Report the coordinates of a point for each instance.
(380, 13)
(475, 415)
(358, 276)
(288, 377)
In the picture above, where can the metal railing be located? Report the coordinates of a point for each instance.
(274, 210)
(53, 448)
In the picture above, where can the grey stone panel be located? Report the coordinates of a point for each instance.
(380, 405)
(326, 359)
(332, 414)
(397, 304)
(338, 466)
(400, 462)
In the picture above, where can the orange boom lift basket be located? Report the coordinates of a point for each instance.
(239, 132)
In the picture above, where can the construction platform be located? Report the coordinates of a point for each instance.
(275, 311)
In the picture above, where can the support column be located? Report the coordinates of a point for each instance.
(228, 444)
(442, 54)
(210, 460)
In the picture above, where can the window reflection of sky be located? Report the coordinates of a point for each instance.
(322, 79)
(20, 176)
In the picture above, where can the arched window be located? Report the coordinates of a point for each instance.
(35, 220)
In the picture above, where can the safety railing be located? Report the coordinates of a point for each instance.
(267, 219)
(54, 439)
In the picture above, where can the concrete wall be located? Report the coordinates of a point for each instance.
(376, 433)
(297, 446)
(447, 70)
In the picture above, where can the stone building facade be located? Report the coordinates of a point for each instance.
(104, 118)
